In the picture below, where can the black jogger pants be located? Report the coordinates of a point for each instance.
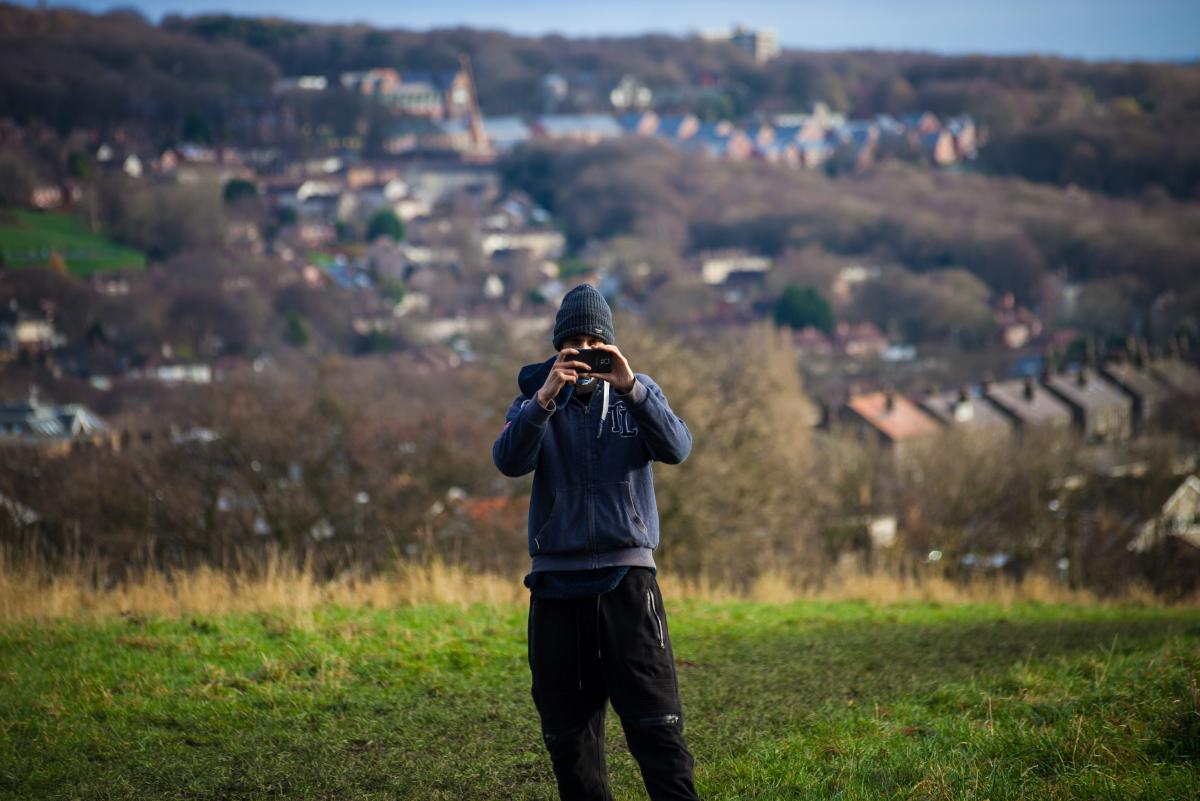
(584, 652)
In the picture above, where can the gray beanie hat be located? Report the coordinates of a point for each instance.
(584, 311)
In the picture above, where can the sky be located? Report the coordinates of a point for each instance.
(1155, 30)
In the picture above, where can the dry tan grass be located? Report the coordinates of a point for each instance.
(30, 591)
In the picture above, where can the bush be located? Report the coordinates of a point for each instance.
(802, 306)
(385, 223)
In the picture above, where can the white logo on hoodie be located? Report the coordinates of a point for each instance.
(622, 423)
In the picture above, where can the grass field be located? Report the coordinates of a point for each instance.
(27, 242)
(806, 699)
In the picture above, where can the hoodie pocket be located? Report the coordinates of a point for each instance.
(618, 522)
(565, 529)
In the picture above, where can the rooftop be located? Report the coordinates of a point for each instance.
(893, 415)
(1028, 402)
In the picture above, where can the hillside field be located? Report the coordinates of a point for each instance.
(28, 237)
(803, 700)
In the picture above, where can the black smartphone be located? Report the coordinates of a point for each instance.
(600, 361)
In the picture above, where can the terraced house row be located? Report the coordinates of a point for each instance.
(1112, 403)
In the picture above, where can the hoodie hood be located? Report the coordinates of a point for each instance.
(533, 376)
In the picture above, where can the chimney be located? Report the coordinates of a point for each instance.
(1027, 392)
(889, 399)
(1081, 378)
(962, 407)
(985, 383)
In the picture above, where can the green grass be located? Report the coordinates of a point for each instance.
(27, 237)
(805, 700)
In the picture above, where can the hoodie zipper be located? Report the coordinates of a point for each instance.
(657, 621)
(591, 499)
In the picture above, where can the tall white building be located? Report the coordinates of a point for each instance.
(762, 44)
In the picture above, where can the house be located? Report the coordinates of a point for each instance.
(762, 134)
(585, 128)
(639, 123)
(814, 153)
(677, 128)
(854, 144)
(506, 132)
(716, 268)
(964, 410)
(815, 127)
(301, 83)
(515, 210)
(541, 244)
(56, 428)
(1147, 393)
(409, 134)
(1016, 325)
(448, 94)
(859, 340)
(465, 135)
(720, 140)
(887, 418)
(29, 333)
(112, 285)
(787, 153)
(630, 92)
(435, 181)
(189, 163)
(1179, 518)
(762, 44)
(924, 122)
(810, 342)
(1181, 377)
(46, 196)
(938, 147)
(175, 374)
(1100, 410)
(109, 157)
(852, 277)
(966, 140)
(1027, 404)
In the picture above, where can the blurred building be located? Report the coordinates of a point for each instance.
(962, 410)
(762, 44)
(1027, 403)
(887, 418)
(1147, 393)
(1099, 409)
(56, 428)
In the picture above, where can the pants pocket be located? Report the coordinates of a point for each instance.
(655, 618)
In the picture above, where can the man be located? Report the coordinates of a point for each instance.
(597, 627)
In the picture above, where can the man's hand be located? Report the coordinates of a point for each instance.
(621, 376)
(563, 372)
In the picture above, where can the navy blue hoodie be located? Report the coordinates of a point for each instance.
(593, 501)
